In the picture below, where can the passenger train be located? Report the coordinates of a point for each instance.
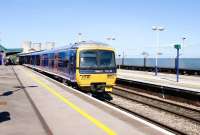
(90, 66)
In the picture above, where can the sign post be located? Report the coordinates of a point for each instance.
(177, 47)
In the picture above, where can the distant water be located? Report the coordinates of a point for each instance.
(185, 63)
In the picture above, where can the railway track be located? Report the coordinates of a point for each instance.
(171, 108)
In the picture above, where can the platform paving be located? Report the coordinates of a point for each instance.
(17, 116)
(60, 107)
(191, 83)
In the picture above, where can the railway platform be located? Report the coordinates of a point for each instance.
(17, 115)
(187, 83)
(40, 105)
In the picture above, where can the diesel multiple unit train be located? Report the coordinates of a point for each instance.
(88, 65)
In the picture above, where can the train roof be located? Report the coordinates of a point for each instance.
(77, 45)
(91, 44)
(88, 43)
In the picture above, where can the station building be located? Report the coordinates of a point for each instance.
(27, 46)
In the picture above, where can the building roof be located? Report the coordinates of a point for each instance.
(2, 48)
(11, 50)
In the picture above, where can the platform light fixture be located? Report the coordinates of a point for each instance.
(183, 43)
(157, 29)
(183, 38)
(110, 38)
(145, 55)
(79, 36)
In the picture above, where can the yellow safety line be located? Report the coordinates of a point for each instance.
(73, 106)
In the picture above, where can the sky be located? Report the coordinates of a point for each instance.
(128, 21)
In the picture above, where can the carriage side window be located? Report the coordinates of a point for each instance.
(51, 60)
(62, 61)
(37, 60)
(66, 61)
(45, 60)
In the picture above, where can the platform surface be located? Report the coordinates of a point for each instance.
(17, 116)
(191, 83)
(66, 111)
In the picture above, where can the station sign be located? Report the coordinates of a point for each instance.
(177, 46)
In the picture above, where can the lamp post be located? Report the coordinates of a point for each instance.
(119, 61)
(157, 30)
(123, 58)
(145, 54)
(183, 43)
(79, 37)
(110, 39)
(183, 39)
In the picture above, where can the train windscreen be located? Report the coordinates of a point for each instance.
(97, 59)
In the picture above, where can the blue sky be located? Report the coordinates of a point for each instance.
(129, 21)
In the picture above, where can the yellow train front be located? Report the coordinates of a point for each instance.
(95, 66)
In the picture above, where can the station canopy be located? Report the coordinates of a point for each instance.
(10, 51)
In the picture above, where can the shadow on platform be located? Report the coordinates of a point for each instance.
(4, 116)
(23, 87)
(8, 93)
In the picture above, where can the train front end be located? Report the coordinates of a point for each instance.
(96, 68)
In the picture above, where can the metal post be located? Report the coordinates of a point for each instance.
(123, 59)
(157, 50)
(145, 61)
(157, 29)
(183, 44)
(79, 37)
(177, 47)
(177, 66)
(119, 61)
(145, 54)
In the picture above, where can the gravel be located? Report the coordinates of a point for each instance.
(179, 123)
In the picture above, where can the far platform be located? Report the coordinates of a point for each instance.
(190, 83)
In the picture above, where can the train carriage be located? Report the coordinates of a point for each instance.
(88, 65)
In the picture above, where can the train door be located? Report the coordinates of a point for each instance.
(72, 65)
(55, 69)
